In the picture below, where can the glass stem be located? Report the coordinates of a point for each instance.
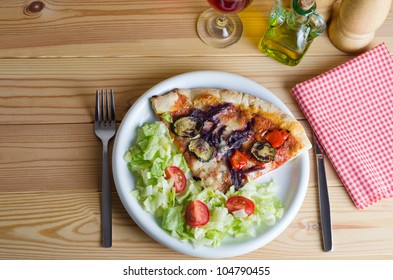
(221, 21)
(221, 24)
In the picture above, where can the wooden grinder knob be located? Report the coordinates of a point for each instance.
(353, 27)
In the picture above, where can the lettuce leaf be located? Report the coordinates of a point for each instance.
(148, 158)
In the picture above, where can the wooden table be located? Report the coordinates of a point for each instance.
(53, 60)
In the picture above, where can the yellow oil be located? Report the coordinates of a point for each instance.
(285, 45)
(291, 32)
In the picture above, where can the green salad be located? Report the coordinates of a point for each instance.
(182, 206)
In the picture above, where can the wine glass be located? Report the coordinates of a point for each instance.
(220, 26)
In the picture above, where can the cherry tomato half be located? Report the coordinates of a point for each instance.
(197, 214)
(238, 160)
(180, 181)
(240, 202)
(277, 137)
(258, 163)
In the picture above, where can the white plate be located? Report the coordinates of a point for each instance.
(292, 178)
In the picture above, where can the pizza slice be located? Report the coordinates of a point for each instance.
(229, 137)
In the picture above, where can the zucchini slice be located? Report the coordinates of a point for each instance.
(187, 126)
(263, 152)
(201, 149)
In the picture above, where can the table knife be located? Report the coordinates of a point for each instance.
(324, 204)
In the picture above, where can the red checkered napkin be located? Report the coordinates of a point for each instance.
(350, 109)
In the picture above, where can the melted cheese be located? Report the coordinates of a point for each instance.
(214, 174)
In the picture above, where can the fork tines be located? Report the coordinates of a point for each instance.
(103, 105)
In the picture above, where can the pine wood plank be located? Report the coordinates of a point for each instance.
(133, 28)
(71, 230)
(50, 65)
(36, 91)
(49, 158)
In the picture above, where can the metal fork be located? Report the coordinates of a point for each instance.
(105, 129)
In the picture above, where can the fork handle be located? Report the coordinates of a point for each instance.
(106, 204)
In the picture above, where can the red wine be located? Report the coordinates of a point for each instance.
(229, 6)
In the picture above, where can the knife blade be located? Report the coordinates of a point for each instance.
(324, 204)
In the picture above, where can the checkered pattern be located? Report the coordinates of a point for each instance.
(350, 109)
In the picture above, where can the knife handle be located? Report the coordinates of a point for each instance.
(324, 206)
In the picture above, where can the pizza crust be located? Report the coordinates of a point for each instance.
(278, 116)
(164, 103)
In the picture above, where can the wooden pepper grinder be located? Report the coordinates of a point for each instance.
(353, 27)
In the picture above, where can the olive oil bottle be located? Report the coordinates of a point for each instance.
(291, 31)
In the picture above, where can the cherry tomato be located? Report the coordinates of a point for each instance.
(238, 160)
(258, 163)
(197, 214)
(277, 137)
(240, 202)
(178, 176)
